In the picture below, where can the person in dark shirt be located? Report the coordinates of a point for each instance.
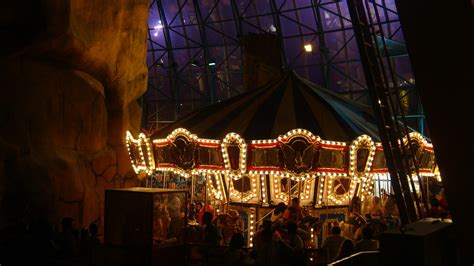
(66, 240)
(435, 206)
(92, 245)
(212, 235)
(295, 245)
(333, 243)
(201, 211)
(367, 243)
(267, 243)
(234, 255)
(277, 215)
(347, 249)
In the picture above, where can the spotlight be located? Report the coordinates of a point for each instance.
(159, 26)
(195, 63)
(308, 48)
(272, 29)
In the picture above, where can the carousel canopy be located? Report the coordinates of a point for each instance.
(288, 129)
(282, 105)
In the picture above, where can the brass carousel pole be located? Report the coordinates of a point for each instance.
(192, 188)
(228, 193)
(205, 191)
(242, 196)
(288, 184)
(249, 216)
(164, 179)
(299, 189)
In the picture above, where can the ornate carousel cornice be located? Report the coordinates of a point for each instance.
(298, 154)
(326, 171)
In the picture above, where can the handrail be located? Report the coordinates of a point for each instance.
(334, 263)
(265, 216)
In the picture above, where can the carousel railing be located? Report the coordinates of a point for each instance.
(369, 258)
(265, 216)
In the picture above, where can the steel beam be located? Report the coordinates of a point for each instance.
(205, 47)
(276, 21)
(172, 66)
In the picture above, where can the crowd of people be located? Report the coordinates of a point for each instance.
(290, 227)
(281, 240)
(38, 243)
(284, 236)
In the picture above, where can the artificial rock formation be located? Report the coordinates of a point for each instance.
(70, 75)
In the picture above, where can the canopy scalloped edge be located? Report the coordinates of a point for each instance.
(298, 155)
(291, 162)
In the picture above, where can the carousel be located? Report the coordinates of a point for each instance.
(288, 139)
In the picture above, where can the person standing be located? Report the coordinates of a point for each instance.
(212, 235)
(367, 243)
(277, 214)
(92, 245)
(333, 243)
(295, 245)
(294, 212)
(66, 240)
(347, 249)
(267, 244)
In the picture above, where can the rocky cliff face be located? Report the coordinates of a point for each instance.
(70, 74)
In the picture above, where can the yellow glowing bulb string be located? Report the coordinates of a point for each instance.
(143, 161)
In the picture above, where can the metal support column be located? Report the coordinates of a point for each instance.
(172, 66)
(205, 47)
(323, 50)
(385, 110)
(276, 20)
(237, 18)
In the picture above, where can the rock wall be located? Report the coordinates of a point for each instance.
(70, 74)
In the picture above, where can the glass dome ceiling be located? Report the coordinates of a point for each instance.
(194, 54)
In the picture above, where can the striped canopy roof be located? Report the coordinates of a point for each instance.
(282, 105)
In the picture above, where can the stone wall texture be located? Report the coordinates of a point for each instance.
(70, 75)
